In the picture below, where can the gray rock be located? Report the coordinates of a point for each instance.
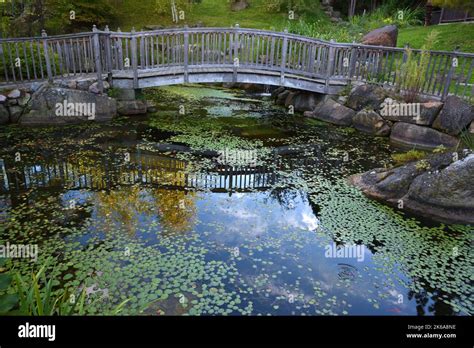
(14, 94)
(4, 115)
(35, 86)
(366, 96)
(15, 113)
(125, 94)
(277, 91)
(442, 190)
(85, 83)
(290, 98)
(45, 103)
(94, 88)
(11, 102)
(421, 114)
(471, 128)
(411, 135)
(371, 122)
(455, 116)
(333, 112)
(306, 101)
(72, 84)
(23, 101)
(385, 36)
(131, 107)
(282, 97)
(2, 99)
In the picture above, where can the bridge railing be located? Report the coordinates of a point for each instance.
(187, 50)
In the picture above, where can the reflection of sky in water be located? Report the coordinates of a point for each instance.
(263, 229)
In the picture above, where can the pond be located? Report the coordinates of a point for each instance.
(221, 203)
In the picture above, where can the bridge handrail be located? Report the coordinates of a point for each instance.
(229, 29)
(99, 50)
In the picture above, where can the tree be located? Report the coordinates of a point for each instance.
(467, 5)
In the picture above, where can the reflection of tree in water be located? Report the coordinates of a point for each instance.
(175, 208)
(286, 197)
(437, 307)
(123, 206)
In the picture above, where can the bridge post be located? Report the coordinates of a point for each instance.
(46, 55)
(98, 63)
(450, 75)
(108, 54)
(353, 59)
(134, 59)
(330, 66)
(186, 54)
(283, 58)
(236, 61)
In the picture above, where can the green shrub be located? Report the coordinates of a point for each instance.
(412, 155)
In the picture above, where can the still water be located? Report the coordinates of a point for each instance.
(223, 204)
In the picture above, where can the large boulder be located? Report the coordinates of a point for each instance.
(131, 107)
(306, 101)
(333, 112)
(422, 114)
(371, 122)
(456, 115)
(412, 135)
(45, 107)
(290, 98)
(281, 98)
(366, 96)
(4, 115)
(385, 36)
(440, 188)
(277, 91)
(15, 113)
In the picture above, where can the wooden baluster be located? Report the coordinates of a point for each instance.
(98, 62)
(330, 63)
(186, 54)
(283, 58)
(236, 47)
(134, 59)
(46, 56)
(452, 68)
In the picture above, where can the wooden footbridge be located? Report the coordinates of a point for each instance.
(215, 55)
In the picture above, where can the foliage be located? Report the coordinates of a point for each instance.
(422, 165)
(467, 5)
(359, 25)
(467, 138)
(56, 17)
(35, 296)
(440, 149)
(412, 155)
(412, 74)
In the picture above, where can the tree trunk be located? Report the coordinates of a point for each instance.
(428, 13)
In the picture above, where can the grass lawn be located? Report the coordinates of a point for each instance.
(216, 13)
(209, 13)
(450, 36)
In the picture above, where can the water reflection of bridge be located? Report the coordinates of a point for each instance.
(143, 169)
